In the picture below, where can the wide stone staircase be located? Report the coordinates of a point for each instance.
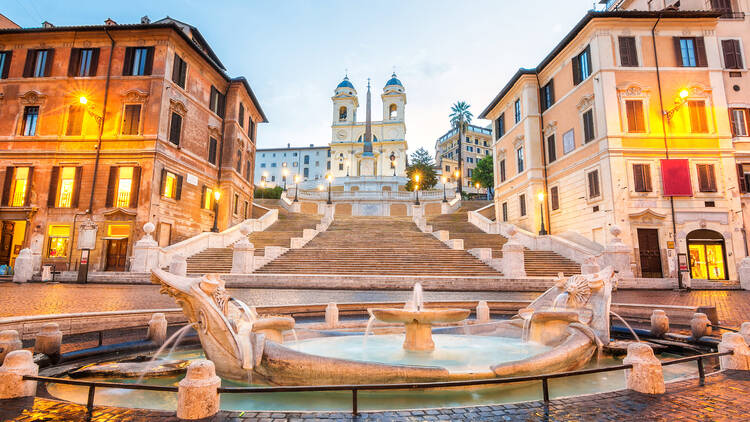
(289, 225)
(536, 263)
(385, 246)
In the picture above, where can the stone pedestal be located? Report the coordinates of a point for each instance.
(700, 326)
(198, 395)
(513, 263)
(9, 341)
(590, 266)
(419, 337)
(157, 328)
(744, 273)
(23, 268)
(145, 252)
(417, 211)
(617, 254)
(17, 364)
(483, 311)
(49, 340)
(659, 323)
(744, 332)
(646, 376)
(308, 234)
(442, 235)
(243, 253)
(740, 358)
(456, 244)
(332, 315)
(178, 266)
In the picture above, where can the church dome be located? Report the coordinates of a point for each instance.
(394, 81)
(345, 83)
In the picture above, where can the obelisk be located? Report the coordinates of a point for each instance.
(367, 161)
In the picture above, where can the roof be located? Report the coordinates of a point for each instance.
(199, 44)
(291, 148)
(345, 83)
(394, 81)
(591, 15)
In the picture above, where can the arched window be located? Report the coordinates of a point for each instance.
(342, 114)
(393, 111)
(239, 162)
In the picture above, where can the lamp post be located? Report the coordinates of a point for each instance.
(444, 180)
(217, 196)
(284, 173)
(458, 180)
(329, 177)
(262, 188)
(542, 230)
(296, 187)
(416, 188)
(477, 186)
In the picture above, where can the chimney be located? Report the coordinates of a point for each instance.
(145, 20)
(47, 24)
(110, 22)
(312, 145)
(288, 145)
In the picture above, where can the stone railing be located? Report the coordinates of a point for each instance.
(452, 205)
(315, 195)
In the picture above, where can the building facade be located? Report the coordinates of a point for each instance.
(625, 123)
(114, 126)
(476, 145)
(280, 166)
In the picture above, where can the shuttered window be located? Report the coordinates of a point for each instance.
(732, 54)
(698, 120)
(123, 187)
(500, 126)
(548, 95)
(505, 211)
(502, 170)
(212, 143)
(30, 117)
(216, 102)
(551, 151)
(554, 198)
(175, 128)
(519, 159)
(588, 126)
(83, 62)
(690, 51)
(131, 119)
(5, 57)
(171, 185)
(17, 186)
(75, 120)
(179, 71)
(582, 66)
(64, 187)
(743, 178)
(251, 129)
(242, 115)
(738, 119)
(642, 177)
(38, 63)
(522, 204)
(593, 182)
(706, 178)
(138, 61)
(517, 110)
(634, 112)
(628, 52)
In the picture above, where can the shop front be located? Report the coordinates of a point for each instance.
(707, 255)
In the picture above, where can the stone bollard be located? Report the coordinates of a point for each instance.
(198, 395)
(513, 262)
(659, 323)
(744, 273)
(332, 315)
(700, 325)
(178, 266)
(17, 364)
(145, 251)
(744, 331)
(9, 341)
(23, 268)
(646, 376)
(243, 253)
(49, 340)
(740, 358)
(483, 311)
(157, 328)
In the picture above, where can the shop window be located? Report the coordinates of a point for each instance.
(59, 237)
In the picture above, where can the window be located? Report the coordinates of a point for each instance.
(238, 166)
(698, 120)
(245, 210)
(242, 116)
(642, 177)
(262, 165)
(175, 128)
(569, 141)
(63, 187)
(208, 200)
(212, 144)
(393, 112)
(307, 159)
(634, 111)
(548, 95)
(588, 126)
(179, 71)
(470, 173)
(469, 160)
(328, 165)
(505, 211)
(124, 183)
(706, 178)
(593, 180)
(738, 119)
(75, 120)
(517, 110)
(522, 204)
(236, 204)
(723, 6)
(124, 186)
(251, 129)
(131, 119)
(17, 186)
(628, 53)
(171, 185)
(138, 61)
(273, 164)
(38, 63)
(690, 51)
(500, 126)
(342, 114)
(59, 236)
(341, 166)
(5, 57)
(83, 62)
(551, 153)
(217, 102)
(248, 169)
(732, 54)
(306, 172)
(30, 117)
(470, 149)
(582, 66)
(519, 159)
(554, 198)
(501, 165)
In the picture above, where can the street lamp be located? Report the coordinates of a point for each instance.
(444, 180)
(684, 94)
(416, 188)
(217, 195)
(542, 230)
(296, 187)
(329, 177)
(262, 188)
(476, 186)
(284, 172)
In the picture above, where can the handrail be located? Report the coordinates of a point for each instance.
(92, 385)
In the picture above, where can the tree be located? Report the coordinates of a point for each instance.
(427, 176)
(421, 156)
(460, 119)
(483, 175)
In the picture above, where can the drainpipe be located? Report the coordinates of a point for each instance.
(544, 155)
(666, 147)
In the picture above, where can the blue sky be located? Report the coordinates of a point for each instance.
(294, 53)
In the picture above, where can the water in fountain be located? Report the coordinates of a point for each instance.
(368, 330)
(176, 342)
(177, 335)
(417, 299)
(560, 301)
(627, 325)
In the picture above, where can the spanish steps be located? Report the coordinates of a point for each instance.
(537, 263)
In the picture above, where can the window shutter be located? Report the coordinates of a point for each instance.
(576, 70)
(741, 178)
(135, 187)
(551, 91)
(727, 48)
(78, 183)
(111, 186)
(203, 197)
(638, 178)
(554, 198)
(174, 129)
(53, 182)
(8, 56)
(588, 60)
(6, 185)
(176, 69)
(677, 50)
(163, 181)
(28, 67)
(75, 57)
(711, 177)
(212, 100)
(738, 54)
(27, 200)
(94, 61)
(50, 60)
(700, 52)
(127, 62)
(647, 177)
(178, 193)
(702, 178)
(149, 61)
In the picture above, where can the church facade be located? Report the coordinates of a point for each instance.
(369, 148)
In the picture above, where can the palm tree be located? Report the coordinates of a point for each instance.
(460, 119)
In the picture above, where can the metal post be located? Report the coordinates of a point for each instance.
(215, 228)
(701, 372)
(542, 230)
(329, 193)
(296, 189)
(445, 198)
(355, 411)
(90, 400)
(545, 390)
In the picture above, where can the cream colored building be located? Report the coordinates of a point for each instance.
(476, 145)
(619, 126)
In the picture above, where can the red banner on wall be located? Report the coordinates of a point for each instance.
(675, 176)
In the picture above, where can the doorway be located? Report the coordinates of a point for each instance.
(648, 247)
(707, 255)
(6, 242)
(117, 254)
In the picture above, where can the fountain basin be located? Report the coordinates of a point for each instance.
(418, 323)
(273, 327)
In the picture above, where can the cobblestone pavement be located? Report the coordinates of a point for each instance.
(723, 398)
(733, 306)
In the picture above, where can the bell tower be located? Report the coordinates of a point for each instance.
(345, 103)
(394, 100)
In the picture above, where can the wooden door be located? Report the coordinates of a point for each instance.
(117, 254)
(648, 246)
(6, 242)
